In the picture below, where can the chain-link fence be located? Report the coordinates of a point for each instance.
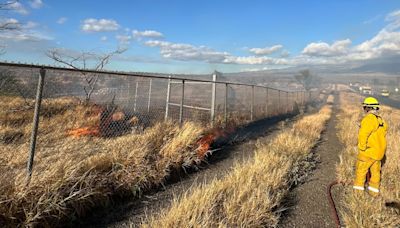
(94, 105)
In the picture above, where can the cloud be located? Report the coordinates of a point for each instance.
(17, 36)
(339, 47)
(30, 25)
(9, 23)
(147, 34)
(384, 43)
(285, 54)
(140, 58)
(394, 20)
(124, 39)
(103, 38)
(36, 4)
(254, 69)
(17, 7)
(99, 25)
(255, 60)
(187, 52)
(62, 20)
(373, 19)
(23, 31)
(266, 50)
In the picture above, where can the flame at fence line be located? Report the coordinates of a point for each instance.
(110, 122)
(205, 143)
(84, 131)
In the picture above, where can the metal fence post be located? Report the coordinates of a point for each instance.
(300, 98)
(149, 100)
(293, 101)
(168, 98)
(279, 101)
(136, 94)
(35, 125)
(182, 100)
(266, 103)
(213, 97)
(252, 104)
(226, 105)
(287, 101)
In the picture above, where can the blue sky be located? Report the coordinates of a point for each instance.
(200, 36)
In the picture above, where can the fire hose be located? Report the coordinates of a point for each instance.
(335, 214)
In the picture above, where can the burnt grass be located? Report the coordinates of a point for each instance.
(238, 145)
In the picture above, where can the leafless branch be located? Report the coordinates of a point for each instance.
(9, 26)
(63, 58)
(81, 61)
(5, 5)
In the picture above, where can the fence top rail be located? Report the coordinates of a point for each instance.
(128, 74)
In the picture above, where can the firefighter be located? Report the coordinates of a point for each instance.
(371, 147)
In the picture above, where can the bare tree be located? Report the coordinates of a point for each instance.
(307, 79)
(82, 61)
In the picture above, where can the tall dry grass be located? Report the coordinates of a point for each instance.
(72, 175)
(364, 210)
(251, 194)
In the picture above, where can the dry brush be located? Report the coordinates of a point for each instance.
(251, 194)
(74, 174)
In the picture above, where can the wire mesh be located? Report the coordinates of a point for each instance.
(17, 93)
(81, 110)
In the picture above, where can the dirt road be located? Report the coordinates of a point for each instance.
(308, 202)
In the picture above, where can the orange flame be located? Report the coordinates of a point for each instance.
(84, 131)
(93, 111)
(204, 144)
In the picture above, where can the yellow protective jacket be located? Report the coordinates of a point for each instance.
(372, 137)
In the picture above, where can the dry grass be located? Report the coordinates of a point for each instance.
(71, 175)
(364, 210)
(251, 194)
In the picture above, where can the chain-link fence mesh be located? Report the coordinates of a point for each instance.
(82, 108)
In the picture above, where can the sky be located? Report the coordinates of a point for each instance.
(178, 36)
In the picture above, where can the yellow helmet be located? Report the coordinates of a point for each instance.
(371, 102)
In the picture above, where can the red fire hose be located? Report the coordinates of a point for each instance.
(332, 203)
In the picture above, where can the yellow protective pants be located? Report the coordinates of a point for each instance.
(363, 165)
